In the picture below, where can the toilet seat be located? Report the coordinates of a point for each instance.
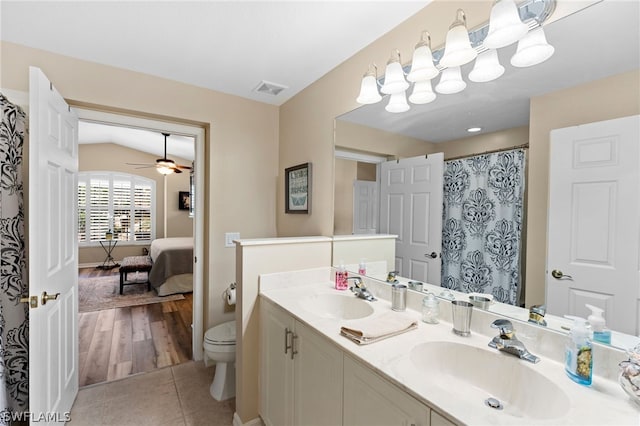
(221, 338)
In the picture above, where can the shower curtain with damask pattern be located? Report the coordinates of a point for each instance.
(482, 225)
(14, 323)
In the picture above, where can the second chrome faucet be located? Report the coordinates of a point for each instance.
(360, 290)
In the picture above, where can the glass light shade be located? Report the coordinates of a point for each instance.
(422, 93)
(487, 67)
(164, 170)
(451, 81)
(505, 26)
(422, 67)
(457, 48)
(369, 90)
(394, 81)
(397, 102)
(533, 49)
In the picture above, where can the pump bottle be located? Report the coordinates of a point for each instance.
(578, 353)
(341, 277)
(596, 320)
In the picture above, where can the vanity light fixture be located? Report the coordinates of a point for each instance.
(422, 67)
(532, 49)
(451, 81)
(369, 87)
(487, 67)
(508, 23)
(505, 26)
(422, 93)
(457, 48)
(394, 81)
(398, 102)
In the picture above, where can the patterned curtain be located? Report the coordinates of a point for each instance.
(482, 225)
(14, 322)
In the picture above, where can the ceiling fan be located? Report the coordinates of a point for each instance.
(164, 165)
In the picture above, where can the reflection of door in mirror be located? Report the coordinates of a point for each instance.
(411, 208)
(365, 207)
(593, 245)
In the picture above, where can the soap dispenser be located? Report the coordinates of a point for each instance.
(341, 277)
(596, 320)
(362, 267)
(578, 353)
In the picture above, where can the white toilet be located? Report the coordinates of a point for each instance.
(220, 348)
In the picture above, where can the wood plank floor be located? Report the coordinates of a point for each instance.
(116, 343)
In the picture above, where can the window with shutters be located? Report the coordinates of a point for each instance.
(121, 203)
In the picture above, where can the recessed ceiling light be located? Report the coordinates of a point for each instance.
(474, 129)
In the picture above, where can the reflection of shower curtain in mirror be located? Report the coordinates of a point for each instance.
(14, 323)
(482, 225)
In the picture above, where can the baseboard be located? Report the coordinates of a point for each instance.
(89, 265)
(255, 422)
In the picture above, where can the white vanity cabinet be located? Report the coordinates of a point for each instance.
(371, 400)
(300, 372)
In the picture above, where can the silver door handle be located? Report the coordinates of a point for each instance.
(432, 255)
(558, 275)
(287, 346)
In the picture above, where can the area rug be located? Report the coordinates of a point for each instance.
(99, 293)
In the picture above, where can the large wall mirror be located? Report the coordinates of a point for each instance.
(596, 44)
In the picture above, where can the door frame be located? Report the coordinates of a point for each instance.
(198, 133)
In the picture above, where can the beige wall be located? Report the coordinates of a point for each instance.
(613, 97)
(112, 157)
(478, 144)
(346, 171)
(367, 139)
(241, 145)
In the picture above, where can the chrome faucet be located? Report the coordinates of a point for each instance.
(391, 277)
(536, 314)
(507, 341)
(360, 290)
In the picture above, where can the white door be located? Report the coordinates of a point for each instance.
(365, 207)
(411, 208)
(592, 254)
(53, 249)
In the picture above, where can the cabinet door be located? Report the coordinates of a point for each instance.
(370, 400)
(276, 366)
(317, 379)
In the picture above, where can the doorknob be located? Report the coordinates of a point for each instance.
(32, 301)
(558, 275)
(432, 255)
(46, 297)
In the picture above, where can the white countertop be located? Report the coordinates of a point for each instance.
(602, 403)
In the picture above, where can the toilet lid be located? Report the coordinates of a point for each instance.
(224, 333)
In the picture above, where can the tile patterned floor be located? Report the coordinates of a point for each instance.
(177, 395)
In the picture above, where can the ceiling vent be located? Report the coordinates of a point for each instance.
(269, 88)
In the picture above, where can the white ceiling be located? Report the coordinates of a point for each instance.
(594, 43)
(227, 46)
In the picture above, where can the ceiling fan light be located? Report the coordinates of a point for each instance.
(487, 67)
(422, 93)
(533, 49)
(505, 26)
(422, 67)
(398, 103)
(451, 81)
(457, 49)
(165, 170)
(394, 81)
(369, 90)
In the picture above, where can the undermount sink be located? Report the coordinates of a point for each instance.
(337, 306)
(479, 374)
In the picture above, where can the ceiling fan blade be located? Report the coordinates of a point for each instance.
(180, 166)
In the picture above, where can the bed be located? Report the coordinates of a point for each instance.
(172, 270)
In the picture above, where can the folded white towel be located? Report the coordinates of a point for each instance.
(369, 330)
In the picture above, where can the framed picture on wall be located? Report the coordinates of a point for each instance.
(184, 200)
(297, 187)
